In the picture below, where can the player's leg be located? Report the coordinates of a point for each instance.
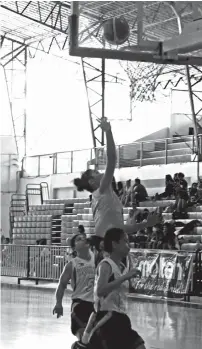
(118, 333)
(80, 314)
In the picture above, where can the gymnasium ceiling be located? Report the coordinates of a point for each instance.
(43, 25)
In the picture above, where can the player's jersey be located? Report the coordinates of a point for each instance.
(107, 211)
(83, 276)
(115, 300)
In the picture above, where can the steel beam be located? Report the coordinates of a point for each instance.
(94, 80)
(56, 18)
(14, 61)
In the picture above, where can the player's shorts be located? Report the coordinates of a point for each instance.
(117, 332)
(80, 313)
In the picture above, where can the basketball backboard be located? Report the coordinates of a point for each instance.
(160, 31)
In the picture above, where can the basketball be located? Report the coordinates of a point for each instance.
(116, 30)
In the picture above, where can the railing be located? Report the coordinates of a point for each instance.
(47, 262)
(161, 151)
(33, 262)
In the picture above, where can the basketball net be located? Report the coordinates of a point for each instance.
(143, 79)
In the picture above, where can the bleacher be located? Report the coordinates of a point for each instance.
(57, 220)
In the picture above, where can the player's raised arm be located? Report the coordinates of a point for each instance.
(111, 156)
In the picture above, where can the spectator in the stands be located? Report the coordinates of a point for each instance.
(81, 229)
(193, 192)
(175, 178)
(145, 214)
(139, 192)
(120, 190)
(200, 191)
(140, 239)
(169, 189)
(45, 251)
(168, 241)
(3, 240)
(188, 228)
(156, 240)
(183, 182)
(141, 216)
(148, 233)
(127, 194)
(182, 196)
(5, 244)
(132, 218)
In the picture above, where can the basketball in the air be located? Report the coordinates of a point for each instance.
(116, 30)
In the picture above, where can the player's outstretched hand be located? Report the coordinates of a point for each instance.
(58, 309)
(153, 219)
(105, 125)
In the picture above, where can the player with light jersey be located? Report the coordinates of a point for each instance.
(81, 271)
(111, 286)
(106, 206)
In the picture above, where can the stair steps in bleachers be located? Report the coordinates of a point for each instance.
(180, 145)
(162, 203)
(56, 211)
(153, 208)
(30, 228)
(191, 238)
(191, 215)
(184, 221)
(195, 231)
(181, 139)
(56, 208)
(179, 150)
(56, 230)
(191, 247)
(161, 153)
(161, 160)
(65, 201)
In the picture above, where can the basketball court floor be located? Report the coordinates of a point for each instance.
(27, 322)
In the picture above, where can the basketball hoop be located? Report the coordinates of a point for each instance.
(143, 79)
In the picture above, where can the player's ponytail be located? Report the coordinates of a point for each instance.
(79, 184)
(83, 182)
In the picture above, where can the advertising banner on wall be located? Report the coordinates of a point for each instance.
(163, 273)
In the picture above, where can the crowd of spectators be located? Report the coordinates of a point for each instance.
(128, 193)
(164, 235)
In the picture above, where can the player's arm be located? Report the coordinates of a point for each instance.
(111, 157)
(104, 287)
(64, 280)
(152, 219)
